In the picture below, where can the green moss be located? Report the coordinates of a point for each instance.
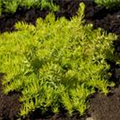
(57, 63)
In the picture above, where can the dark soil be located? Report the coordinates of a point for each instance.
(101, 107)
(9, 104)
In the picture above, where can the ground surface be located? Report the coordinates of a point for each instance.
(101, 107)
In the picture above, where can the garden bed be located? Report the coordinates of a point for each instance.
(101, 107)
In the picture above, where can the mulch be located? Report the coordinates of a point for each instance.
(101, 107)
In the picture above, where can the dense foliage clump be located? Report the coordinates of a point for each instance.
(57, 63)
(109, 4)
(10, 6)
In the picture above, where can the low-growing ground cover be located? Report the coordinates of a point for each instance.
(11, 6)
(56, 63)
(97, 22)
(109, 4)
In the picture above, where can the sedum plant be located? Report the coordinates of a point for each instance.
(10, 6)
(57, 63)
(109, 4)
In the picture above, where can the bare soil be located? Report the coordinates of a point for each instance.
(101, 107)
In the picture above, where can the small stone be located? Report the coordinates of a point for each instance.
(89, 118)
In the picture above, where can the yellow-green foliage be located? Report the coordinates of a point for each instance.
(10, 6)
(57, 63)
(109, 4)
